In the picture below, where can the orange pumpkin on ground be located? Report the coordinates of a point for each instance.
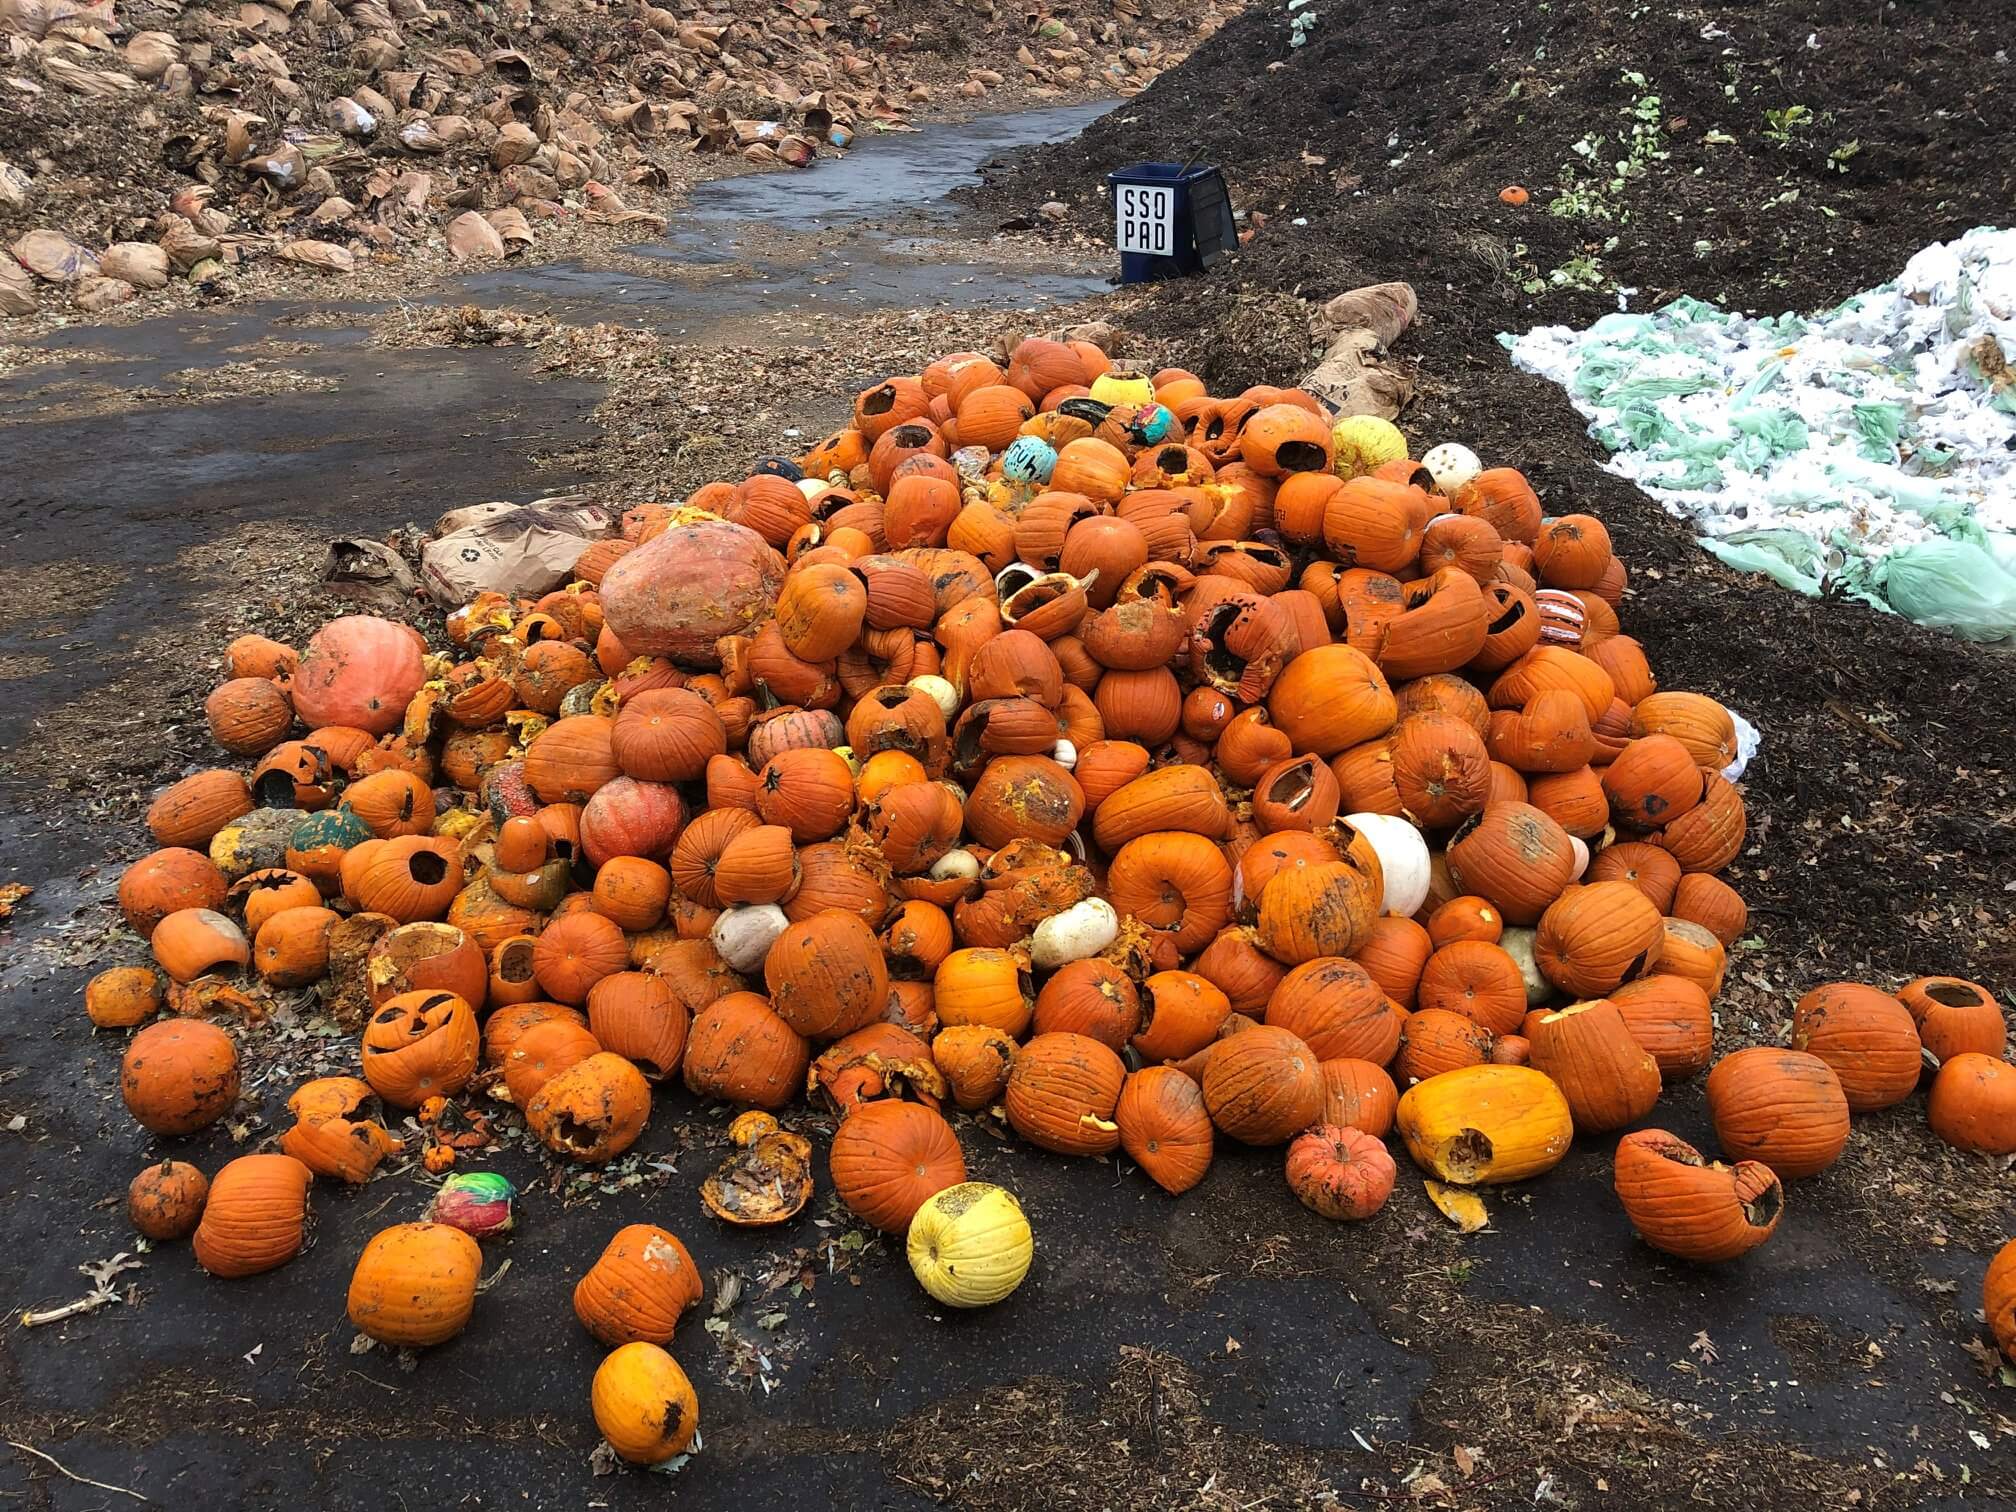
(1165, 1127)
(1782, 1107)
(1691, 1207)
(888, 1158)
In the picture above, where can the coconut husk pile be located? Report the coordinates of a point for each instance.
(162, 142)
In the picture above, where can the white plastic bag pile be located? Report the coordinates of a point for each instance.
(1870, 450)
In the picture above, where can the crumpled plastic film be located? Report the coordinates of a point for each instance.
(1868, 451)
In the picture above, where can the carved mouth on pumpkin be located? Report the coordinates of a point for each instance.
(1299, 456)
(575, 1136)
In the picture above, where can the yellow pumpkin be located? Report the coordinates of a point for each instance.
(1481, 1125)
(644, 1404)
(970, 1245)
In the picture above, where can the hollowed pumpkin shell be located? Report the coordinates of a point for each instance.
(1691, 1207)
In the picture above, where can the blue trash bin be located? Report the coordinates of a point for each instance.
(1169, 219)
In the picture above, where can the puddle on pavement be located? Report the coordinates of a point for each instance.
(798, 244)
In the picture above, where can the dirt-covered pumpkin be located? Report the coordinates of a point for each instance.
(1340, 1172)
(165, 1201)
(179, 1075)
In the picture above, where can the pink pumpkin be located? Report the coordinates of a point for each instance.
(626, 817)
(678, 594)
(360, 671)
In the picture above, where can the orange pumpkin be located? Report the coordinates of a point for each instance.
(1181, 1013)
(638, 1287)
(1340, 1172)
(165, 1201)
(166, 881)
(1782, 1107)
(1263, 1086)
(1477, 979)
(739, 1051)
(888, 1158)
(1358, 1094)
(1688, 1206)
(1165, 1127)
(1597, 936)
(1338, 1009)
(1313, 911)
(1090, 997)
(593, 1111)
(1607, 1076)
(420, 1045)
(575, 953)
(1973, 1104)
(1866, 1036)
(975, 1060)
(256, 1216)
(1955, 1017)
(1671, 1017)
(826, 975)
(179, 1076)
(1514, 855)
(1061, 1094)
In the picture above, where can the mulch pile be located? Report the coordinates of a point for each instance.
(1790, 160)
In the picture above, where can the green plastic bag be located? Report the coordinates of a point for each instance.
(1790, 558)
(1951, 585)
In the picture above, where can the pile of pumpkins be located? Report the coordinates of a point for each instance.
(1053, 743)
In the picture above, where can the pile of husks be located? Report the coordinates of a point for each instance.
(1054, 743)
(159, 143)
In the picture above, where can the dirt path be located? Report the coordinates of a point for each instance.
(1224, 1351)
